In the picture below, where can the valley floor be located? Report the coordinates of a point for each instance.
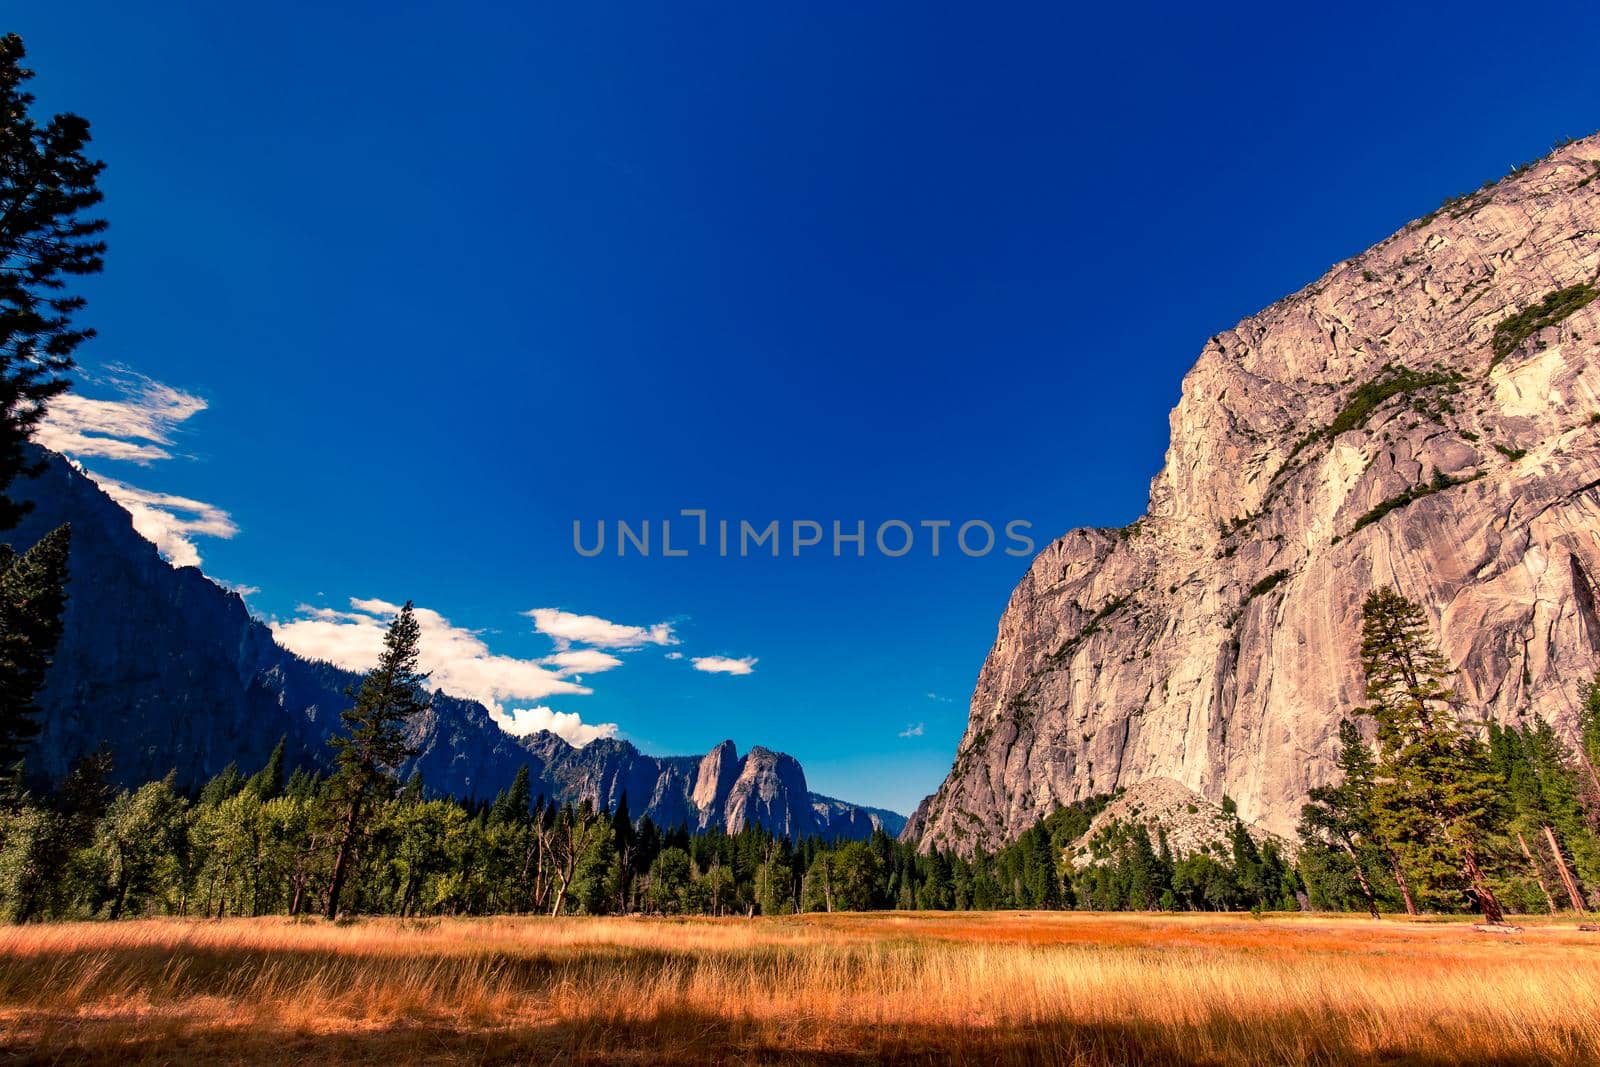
(998, 988)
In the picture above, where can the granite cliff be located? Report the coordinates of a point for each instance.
(1425, 415)
(173, 673)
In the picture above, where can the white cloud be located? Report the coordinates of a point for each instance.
(136, 428)
(724, 664)
(236, 587)
(169, 522)
(912, 730)
(457, 659)
(520, 722)
(566, 628)
(582, 661)
(674, 655)
(940, 699)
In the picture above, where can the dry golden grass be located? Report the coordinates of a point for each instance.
(990, 988)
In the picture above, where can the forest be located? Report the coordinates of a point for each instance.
(1433, 809)
(1432, 812)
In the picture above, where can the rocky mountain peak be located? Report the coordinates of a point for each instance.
(1423, 416)
(172, 673)
(719, 768)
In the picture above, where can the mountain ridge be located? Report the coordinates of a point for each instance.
(172, 672)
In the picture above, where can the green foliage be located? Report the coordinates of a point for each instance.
(1436, 803)
(1545, 784)
(374, 743)
(136, 837)
(45, 869)
(32, 597)
(857, 873)
(47, 186)
(1392, 382)
(391, 694)
(1092, 627)
(1555, 307)
(1439, 483)
(1266, 585)
(1432, 812)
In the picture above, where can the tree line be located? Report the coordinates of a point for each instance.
(1434, 808)
(1437, 812)
(48, 237)
(1440, 810)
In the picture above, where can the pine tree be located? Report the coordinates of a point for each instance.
(267, 783)
(1543, 788)
(1340, 816)
(1586, 758)
(222, 785)
(1436, 800)
(47, 184)
(32, 598)
(374, 745)
(626, 842)
(515, 804)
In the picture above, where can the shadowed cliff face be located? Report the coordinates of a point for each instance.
(172, 673)
(1375, 428)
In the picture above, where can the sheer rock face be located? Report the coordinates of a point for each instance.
(720, 789)
(1215, 641)
(171, 672)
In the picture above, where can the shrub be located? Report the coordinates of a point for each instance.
(1266, 585)
(1438, 483)
(1552, 309)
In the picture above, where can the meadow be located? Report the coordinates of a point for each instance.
(1062, 988)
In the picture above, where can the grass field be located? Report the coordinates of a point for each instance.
(987, 988)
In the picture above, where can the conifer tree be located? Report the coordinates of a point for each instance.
(47, 185)
(32, 598)
(1587, 755)
(374, 744)
(626, 842)
(515, 804)
(222, 785)
(1341, 816)
(1436, 800)
(267, 783)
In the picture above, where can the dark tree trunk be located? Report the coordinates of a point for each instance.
(1405, 887)
(1538, 874)
(1567, 880)
(121, 898)
(1361, 877)
(341, 859)
(1488, 903)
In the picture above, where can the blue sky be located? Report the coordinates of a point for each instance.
(447, 277)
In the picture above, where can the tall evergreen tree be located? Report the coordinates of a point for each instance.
(1341, 816)
(1436, 799)
(374, 744)
(267, 783)
(32, 597)
(515, 804)
(626, 842)
(1586, 758)
(47, 186)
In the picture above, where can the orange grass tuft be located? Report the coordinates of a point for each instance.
(1003, 988)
